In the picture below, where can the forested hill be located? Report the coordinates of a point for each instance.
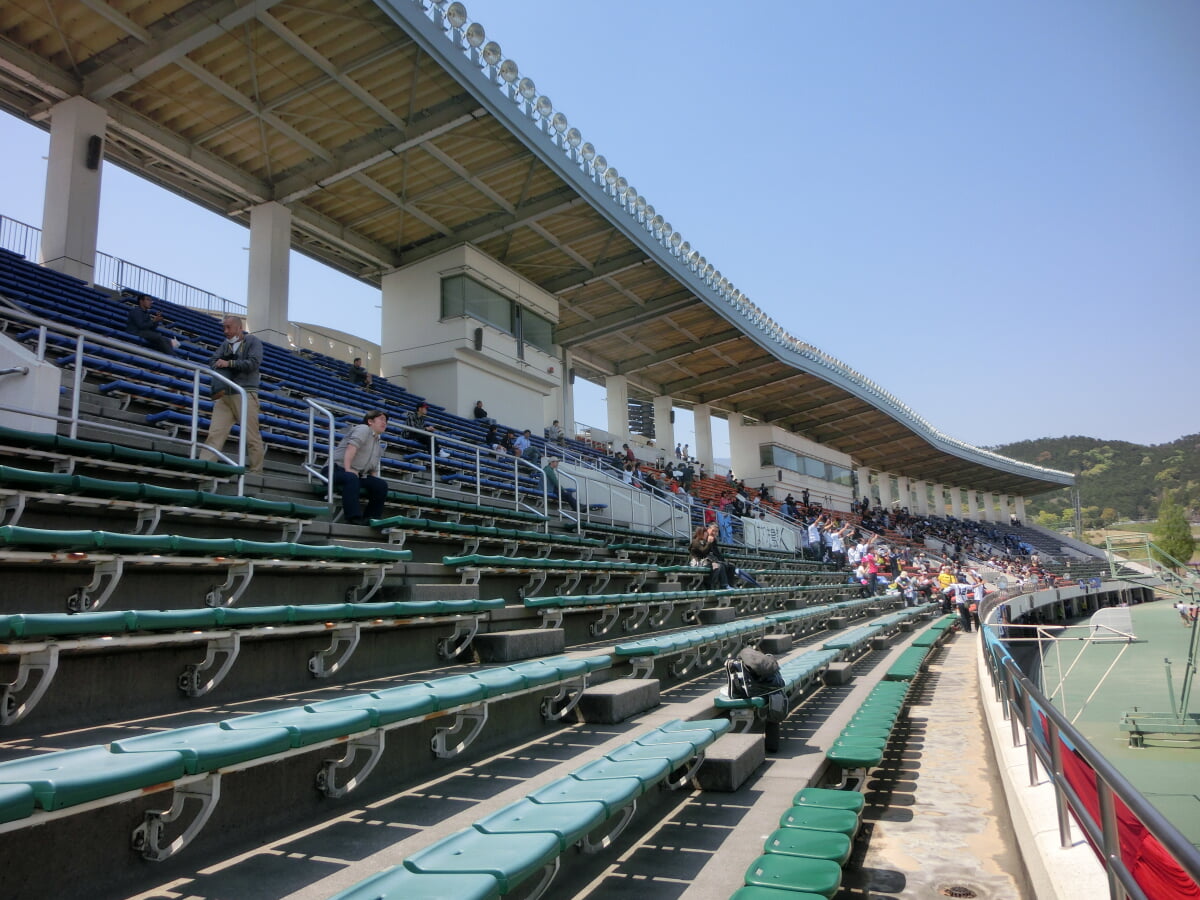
(1117, 480)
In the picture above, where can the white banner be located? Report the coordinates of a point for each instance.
(766, 535)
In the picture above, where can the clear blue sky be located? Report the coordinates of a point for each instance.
(990, 208)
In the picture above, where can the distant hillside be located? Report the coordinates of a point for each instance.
(1117, 480)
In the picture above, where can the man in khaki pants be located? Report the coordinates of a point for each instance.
(239, 358)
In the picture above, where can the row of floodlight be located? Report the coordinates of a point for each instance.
(505, 74)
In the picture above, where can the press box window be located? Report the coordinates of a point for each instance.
(463, 296)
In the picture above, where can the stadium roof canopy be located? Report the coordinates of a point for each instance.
(391, 139)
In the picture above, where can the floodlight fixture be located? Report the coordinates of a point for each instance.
(491, 54)
(610, 176)
(558, 122)
(456, 15)
(544, 107)
(475, 35)
(526, 88)
(574, 138)
(587, 151)
(508, 68)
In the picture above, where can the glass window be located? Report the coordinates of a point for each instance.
(537, 331)
(815, 468)
(463, 296)
(839, 475)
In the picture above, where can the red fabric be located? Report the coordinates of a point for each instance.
(1152, 867)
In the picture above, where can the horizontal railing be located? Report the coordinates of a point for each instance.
(119, 274)
(1048, 736)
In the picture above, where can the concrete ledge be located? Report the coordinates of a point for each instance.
(838, 673)
(409, 592)
(730, 761)
(716, 615)
(907, 626)
(878, 643)
(836, 622)
(776, 643)
(527, 643)
(616, 701)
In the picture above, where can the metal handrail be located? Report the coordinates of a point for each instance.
(1022, 701)
(326, 410)
(82, 338)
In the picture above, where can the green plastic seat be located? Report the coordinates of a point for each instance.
(614, 793)
(648, 771)
(810, 842)
(509, 858)
(569, 821)
(757, 892)
(457, 690)
(306, 727)
(820, 818)
(172, 619)
(831, 799)
(677, 754)
(255, 615)
(822, 877)
(205, 748)
(153, 493)
(319, 612)
(399, 883)
(71, 777)
(36, 625)
(404, 702)
(16, 802)
(500, 681)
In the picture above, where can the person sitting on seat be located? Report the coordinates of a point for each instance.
(554, 489)
(554, 432)
(356, 467)
(481, 415)
(144, 324)
(359, 374)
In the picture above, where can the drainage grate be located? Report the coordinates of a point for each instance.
(959, 891)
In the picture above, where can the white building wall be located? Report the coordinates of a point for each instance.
(437, 359)
(744, 443)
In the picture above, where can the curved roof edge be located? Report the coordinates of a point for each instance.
(597, 182)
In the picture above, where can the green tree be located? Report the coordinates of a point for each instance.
(1171, 532)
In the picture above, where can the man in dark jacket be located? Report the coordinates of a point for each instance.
(144, 324)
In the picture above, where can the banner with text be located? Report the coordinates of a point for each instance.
(766, 535)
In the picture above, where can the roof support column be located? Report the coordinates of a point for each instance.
(969, 509)
(617, 387)
(1008, 508)
(702, 416)
(864, 483)
(885, 490)
(904, 492)
(567, 413)
(956, 502)
(1021, 509)
(939, 500)
(986, 502)
(664, 425)
(921, 496)
(71, 213)
(267, 289)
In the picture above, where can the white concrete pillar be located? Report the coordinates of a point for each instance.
(885, 490)
(1021, 509)
(904, 492)
(71, 213)
(702, 421)
(920, 490)
(938, 507)
(1008, 508)
(956, 502)
(986, 504)
(970, 511)
(267, 288)
(566, 415)
(617, 387)
(664, 428)
(864, 483)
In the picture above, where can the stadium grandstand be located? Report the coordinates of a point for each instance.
(217, 683)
